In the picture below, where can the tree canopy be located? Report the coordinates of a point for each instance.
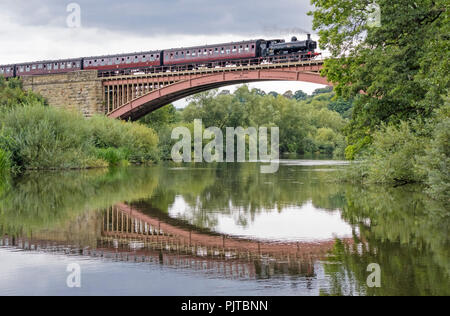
(401, 65)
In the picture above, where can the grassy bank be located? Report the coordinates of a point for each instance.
(35, 136)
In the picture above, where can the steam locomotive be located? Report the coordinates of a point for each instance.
(220, 55)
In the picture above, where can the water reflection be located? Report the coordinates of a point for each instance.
(230, 221)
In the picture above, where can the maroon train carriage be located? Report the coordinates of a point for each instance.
(212, 53)
(48, 67)
(123, 61)
(210, 56)
(7, 71)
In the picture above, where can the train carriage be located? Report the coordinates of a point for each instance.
(212, 53)
(124, 61)
(7, 71)
(48, 67)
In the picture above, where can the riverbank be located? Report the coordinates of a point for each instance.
(34, 136)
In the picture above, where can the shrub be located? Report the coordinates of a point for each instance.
(394, 157)
(436, 163)
(114, 156)
(141, 142)
(40, 137)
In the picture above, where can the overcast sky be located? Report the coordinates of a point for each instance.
(37, 29)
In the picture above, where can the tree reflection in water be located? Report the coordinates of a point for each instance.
(398, 228)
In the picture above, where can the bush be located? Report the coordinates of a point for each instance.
(140, 142)
(40, 137)
(114, 156)
(395, 153)
(436, 163)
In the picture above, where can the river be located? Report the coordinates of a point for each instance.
(219, 229)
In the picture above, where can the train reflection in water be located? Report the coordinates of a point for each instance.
(128, 235)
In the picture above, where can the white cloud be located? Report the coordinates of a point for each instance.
(25, 42)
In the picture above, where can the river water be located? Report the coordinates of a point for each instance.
(219, 229)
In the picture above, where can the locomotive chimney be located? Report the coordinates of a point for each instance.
(309, 37)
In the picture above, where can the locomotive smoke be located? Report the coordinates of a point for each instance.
(277, 31)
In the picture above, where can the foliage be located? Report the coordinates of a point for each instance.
(402, 66)
(307, 125)
(12, 94)
(408, 152)
(5, 162)
(436, 163)
(40, 137)
(114, 156)
(137, 141)
(164, 116)
(394, 156)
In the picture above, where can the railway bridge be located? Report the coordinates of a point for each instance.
(132, 96)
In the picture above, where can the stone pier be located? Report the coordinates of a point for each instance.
(81, 91)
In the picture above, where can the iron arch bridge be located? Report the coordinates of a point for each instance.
(130, 97)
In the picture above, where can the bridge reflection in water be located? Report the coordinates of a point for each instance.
(129, 235)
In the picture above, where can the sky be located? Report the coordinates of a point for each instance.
(38, 29)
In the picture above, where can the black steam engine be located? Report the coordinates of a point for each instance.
(276, 48)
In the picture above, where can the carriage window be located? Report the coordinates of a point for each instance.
(1, 70)
(205, 52)
(253, 46)
(228, 51)
(69, 65)
(78, 64)
(247, 48)
(40, 66)
(33, 67)
(194, 54)
(56, 67)
(63, 66)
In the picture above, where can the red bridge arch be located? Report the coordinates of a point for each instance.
(132, 97)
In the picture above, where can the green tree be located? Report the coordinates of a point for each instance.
(402, 66)
(164, 116)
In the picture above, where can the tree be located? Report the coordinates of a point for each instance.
(402, 66)
(288, 94)
(322, 91)
(300, 95)
(164, 116)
